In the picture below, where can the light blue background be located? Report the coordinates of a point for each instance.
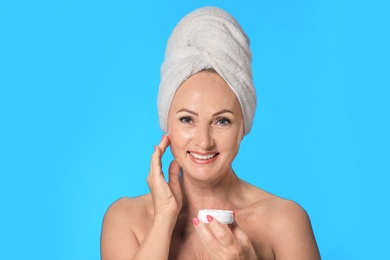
(78, 118)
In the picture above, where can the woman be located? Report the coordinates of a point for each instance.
(206, 105)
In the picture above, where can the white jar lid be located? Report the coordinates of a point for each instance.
(223, 216)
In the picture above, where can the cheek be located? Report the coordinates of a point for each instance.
(180, 132)
(177, 145)
(174, 148)
(235, 141)
(178, 151)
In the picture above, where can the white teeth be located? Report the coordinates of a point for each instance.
(203, 157)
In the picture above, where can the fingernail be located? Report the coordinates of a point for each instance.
(195, 221)
(155, 147)
(163, 136)
(234, 214)
(209, 218)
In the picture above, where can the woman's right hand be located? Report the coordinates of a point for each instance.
(167, 196)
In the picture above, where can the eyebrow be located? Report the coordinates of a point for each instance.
(188, 111)
(223, 111)
(196, 114)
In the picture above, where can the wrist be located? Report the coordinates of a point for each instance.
(165, 218)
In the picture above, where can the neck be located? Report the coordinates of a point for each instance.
(220, 194)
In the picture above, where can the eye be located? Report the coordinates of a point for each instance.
(223, 121)
(186, 120)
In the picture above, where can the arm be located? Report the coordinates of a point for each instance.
(118, 239)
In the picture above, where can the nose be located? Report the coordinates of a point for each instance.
(203, 137)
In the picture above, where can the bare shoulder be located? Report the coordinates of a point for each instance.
(275, 210)
(129, 208)
(287, 216)
(278, 226)
(292, 233)
(124, 225)
(283, 210)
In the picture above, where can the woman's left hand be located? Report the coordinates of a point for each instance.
(224, 241)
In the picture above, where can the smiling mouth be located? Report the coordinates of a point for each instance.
(203, 157)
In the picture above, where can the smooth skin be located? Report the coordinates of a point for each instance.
(205, 131)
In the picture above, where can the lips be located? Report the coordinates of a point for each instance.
(203, 158)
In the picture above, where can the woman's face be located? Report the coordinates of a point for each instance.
(205, 125)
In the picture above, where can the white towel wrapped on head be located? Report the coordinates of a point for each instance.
(207, 38)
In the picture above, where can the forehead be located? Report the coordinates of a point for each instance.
(205, 89)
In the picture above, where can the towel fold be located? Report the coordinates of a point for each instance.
(208, 37)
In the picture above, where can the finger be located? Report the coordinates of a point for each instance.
(164, 143)
(239, 234)
(221, 232)
(205, 235)
(155, 164)
(174, 172)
